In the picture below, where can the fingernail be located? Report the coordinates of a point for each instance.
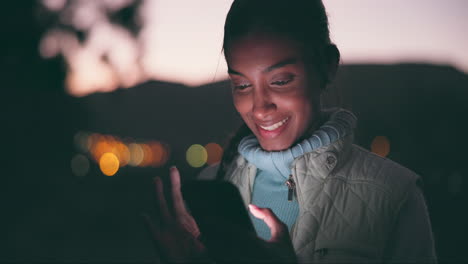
(173, 167)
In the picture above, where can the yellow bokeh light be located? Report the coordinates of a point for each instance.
(380, 146)
(136, 154)
(109, 164)
(196, 155)
(215, 152)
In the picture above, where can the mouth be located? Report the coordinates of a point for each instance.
(275, 126)
(274, 129)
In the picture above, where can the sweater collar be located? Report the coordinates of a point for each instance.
(340, 123)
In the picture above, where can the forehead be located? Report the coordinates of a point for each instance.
(262, 48)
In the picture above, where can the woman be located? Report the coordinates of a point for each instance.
(338, 201)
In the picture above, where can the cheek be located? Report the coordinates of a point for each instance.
(241, 104)
(304, 112)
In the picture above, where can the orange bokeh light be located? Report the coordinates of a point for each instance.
(153, 153)
(215, 153)
(160, 153)
(109, 164)
(102, 146)
(380, 146)
(147, 155)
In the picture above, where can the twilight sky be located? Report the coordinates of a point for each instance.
(181, 39)
(188, 34)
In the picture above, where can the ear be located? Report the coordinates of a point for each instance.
(333, 60)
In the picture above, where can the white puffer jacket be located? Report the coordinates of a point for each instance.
(349, 201)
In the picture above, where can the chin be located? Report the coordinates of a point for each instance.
(274, 146)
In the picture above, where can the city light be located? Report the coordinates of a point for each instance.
(196, 155)
(136, 154)
(111, 151)
(380, 146)
(160, 153)
(109, 164)
(215, 152)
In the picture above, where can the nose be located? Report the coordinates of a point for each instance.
(263, 105)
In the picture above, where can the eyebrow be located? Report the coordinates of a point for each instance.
(275, 66)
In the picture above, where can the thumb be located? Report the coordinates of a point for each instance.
(278, 229)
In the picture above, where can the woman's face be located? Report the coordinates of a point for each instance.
(272, 90)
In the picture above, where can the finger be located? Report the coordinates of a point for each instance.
(277, 228)
(161, 200)
(177, 199)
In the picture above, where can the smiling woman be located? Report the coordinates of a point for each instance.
(272, 90)
(294, 162)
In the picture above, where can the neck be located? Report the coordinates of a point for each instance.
(317, 122)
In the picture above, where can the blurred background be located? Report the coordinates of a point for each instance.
(100, 96)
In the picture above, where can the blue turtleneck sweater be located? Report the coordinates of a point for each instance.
(274, 168)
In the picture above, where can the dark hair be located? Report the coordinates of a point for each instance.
(305, 21)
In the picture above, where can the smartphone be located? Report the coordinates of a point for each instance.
(224, 223)
(215, 202)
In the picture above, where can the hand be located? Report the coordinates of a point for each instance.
(176, 233)
(230, 243)
(279, 247)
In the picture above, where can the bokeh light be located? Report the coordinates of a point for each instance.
(380, 146)
(155, 154)
(109, 164)
(127, 152)
(122, 152)
(81, 141)
(196, 155)
(160, 153)
(136, 154)
(215, 152)
(80, 165)
(102, 146)
(92, 140)
(147, 155)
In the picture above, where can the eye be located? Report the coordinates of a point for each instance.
(241, 86)
(282, 82)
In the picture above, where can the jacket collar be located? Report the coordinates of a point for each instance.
(321, 162)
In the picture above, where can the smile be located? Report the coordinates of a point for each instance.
(276, 125)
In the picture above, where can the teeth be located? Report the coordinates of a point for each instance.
(275, 126)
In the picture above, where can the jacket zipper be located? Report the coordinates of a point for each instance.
(291, 187)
